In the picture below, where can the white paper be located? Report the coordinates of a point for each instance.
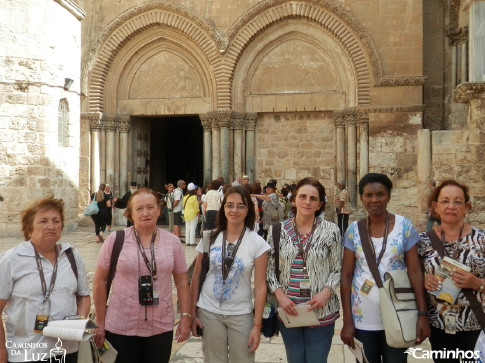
(358, 352)
(69, 329)
(109, 356)
(303, 317)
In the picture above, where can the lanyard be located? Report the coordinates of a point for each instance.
(455, 254)
(299, 244)
(384, 243)
(46, 292)
(152, 267)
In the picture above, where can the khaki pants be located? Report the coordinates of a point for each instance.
(226, 337)
(170, 221)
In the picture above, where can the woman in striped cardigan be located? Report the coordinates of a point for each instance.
(310, 257)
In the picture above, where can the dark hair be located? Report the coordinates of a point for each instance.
(375, 178)
(284, 191)
(215, 184)
(221, 216)
(28, 214)
(129, 208)
(248, 188)
(314, 183)
(436, 193)
(257, 188)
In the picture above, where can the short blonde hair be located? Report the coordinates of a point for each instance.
(28, 214)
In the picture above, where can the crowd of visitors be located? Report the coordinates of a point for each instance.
(280, 240)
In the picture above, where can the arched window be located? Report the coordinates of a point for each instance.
(63, 123)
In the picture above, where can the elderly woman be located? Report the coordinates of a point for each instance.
(231, 331)
(101, 218)
(139, 319)
(40, 280)
(309, 263)
(393, 239)
(454, 326)
(271, 206)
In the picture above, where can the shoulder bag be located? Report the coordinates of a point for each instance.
(399, 310)
(91, 209)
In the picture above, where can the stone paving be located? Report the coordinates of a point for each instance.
(270, 350)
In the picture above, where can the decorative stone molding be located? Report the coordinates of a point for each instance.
(455, 34)
(123, 123)
(401, 81)
(237, 120)
(350, 117)
(396, 108)
(223, 118)
(205, 121)
(338, 118)
(109, 123)
(250, 119)
(94, 119)
(362, 115)
(465, 92)
(73, 8)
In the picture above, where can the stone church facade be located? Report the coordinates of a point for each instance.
(278, 89)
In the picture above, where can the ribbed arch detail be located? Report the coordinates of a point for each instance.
(334, 17)
(130, 23)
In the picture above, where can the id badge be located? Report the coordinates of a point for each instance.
(450, 323)
(366, 287)
(266, 310)
(156, 297)
(305, 290)
(40, 323)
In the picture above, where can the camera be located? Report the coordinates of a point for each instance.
(199, 331)
(145, 290)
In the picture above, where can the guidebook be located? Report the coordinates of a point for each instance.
(304, 317)
(449, 291)
(70, 329)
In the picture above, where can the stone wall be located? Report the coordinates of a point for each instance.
(40, 52)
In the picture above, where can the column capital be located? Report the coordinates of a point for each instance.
(362, 115)
(94, 119)
(237, 120)
(338, 117)
(350, 117)
(108, 121)
(250, 120)
(206, 121)
(223, 118)
(123, 123)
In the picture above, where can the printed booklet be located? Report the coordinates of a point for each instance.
(449, 291)
(70, 329)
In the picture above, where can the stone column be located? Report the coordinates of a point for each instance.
(95, 125)
(477, 42)
(109, 126)
(363, 122)
(224, 121)
(340, 144)
(237, 124)
(216, 147)
(425, 169)
(350, 123)
(250, 119)
(124, 126)
(206, 122)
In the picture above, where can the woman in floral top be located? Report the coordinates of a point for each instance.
(394, 240)
(454, 326)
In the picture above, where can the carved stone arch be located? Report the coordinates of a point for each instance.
(97, 64)
(333, 17)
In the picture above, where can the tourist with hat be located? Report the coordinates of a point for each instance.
(191, 213)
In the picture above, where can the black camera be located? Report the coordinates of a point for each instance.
(199, 331)
(145, 290)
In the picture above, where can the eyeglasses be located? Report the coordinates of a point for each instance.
(446, 203)
(239, 207)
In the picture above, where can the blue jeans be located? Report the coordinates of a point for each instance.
(375, 347)
(307, 345)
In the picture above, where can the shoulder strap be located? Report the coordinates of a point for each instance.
(436, 242)
(115, 254)
(475, 305)
(72, 261)
(276, 244)
(371, 262)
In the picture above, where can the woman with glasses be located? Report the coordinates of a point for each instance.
(393, 240)
(310, 256)
(224, 309)
(453, 325)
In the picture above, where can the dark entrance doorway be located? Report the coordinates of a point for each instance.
(176, 151)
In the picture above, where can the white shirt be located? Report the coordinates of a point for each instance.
(237, 293)
(177, 195)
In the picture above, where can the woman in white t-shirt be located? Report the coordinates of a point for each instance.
(212, 203)
(394, 240)
(224, 308)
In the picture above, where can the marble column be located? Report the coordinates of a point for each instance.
(237, 124)
(224, 121)
(250, 119)
(206, 122)
(95, 126)
(340, 144)
(424, 168)
(109, 126)
(124, 126)
(477, 42)
(350, 124)
(216, 147)
(363, 122)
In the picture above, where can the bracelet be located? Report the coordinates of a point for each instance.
(482, 285)
(186, 314)
(258, 325)
(423, 313)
